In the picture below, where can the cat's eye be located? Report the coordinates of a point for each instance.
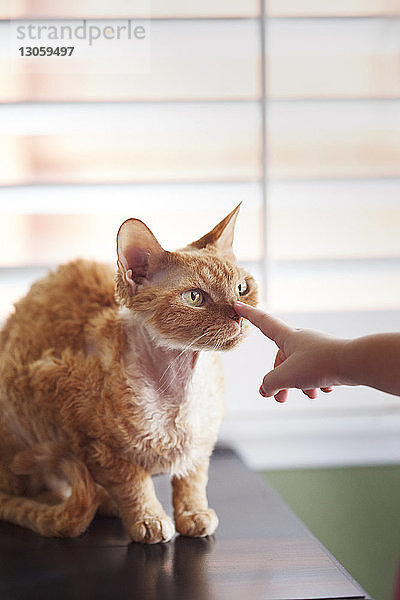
(193, 297)
(242, 288)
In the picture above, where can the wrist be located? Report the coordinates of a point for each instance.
(355, 363)
(345, 369)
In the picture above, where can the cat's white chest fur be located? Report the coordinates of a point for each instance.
(184, 418)
(176, 403)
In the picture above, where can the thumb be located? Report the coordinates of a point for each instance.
(280, 378)
(273, 328)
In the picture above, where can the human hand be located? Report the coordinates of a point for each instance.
(305, 360)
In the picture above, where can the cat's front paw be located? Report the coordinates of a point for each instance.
(197, 523)
(152, 529)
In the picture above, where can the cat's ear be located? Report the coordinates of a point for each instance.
(221, 237)
(140, 255)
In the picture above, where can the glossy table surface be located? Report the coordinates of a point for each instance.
(260, 551)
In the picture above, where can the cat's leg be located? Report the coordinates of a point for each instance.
(131, 489)
(191, 512)
(67, 518)
(10, 482)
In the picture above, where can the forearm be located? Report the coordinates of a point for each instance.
(373, 360)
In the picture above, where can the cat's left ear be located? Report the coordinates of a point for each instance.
(221, 237)
(139, 253)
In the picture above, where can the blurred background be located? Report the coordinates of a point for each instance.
(291, 106)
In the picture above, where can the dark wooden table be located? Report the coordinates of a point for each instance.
(261, 551)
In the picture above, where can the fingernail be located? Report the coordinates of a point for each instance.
(262, 392)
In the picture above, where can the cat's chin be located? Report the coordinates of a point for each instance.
(226, 345)
(192, 347)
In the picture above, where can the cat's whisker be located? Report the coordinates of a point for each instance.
(218, 341)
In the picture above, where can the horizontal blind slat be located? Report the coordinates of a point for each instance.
(83, 143)
(305, 58)
(333, 219)
(62, 222)
(333, 58)
(333, 139)
(336, 286)
(188, 62)
(95, 9)
(216, 141)
(194, 9)
(327, 8)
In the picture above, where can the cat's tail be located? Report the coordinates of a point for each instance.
(67, 518)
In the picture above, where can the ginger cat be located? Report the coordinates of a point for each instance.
(106, 380)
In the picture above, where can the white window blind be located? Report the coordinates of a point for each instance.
(292, 107)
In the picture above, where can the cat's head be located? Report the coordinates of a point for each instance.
(185, 298)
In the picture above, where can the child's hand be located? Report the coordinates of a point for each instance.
(306, 359)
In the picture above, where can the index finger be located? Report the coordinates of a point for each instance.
(273, 328)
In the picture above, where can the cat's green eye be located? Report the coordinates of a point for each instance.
(242, 288)
(193, 297)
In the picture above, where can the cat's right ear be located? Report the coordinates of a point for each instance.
(139, 253)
